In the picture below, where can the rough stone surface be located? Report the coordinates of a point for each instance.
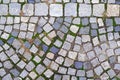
(98, 10)
(113, 10)
(56, 10)
(70, 9)
(28, 9)
(41, 9)
(85, 10)
(4, 9)
(14, 8)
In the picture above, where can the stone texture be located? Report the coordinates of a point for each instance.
(98, 10)
(2, 72)
(62, 70)
(87, 47)
(80, 73)
(33, 75)
(74, 28)
(54, 65)
(113, 10)
(66, 45)
(24, 73)
(40, 69)
(14, 58)
(85, 10)
(28, 9)
(98, 70)
(56, 10)
(59, 40)
(14, 8)
(71, 71)
(3, 9)
(30, 66)
(41, 9)
(78, 64)
(7, 65)
(70, 9)
(68, 62)
(91, 55)
(48, 73)
(33, 49)
(72, 55)
(59, 60)
(8, 76)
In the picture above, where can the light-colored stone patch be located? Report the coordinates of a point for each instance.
(70, 9)
(28, 9)
(14, 8)
(41, 9)
(3, 9)
(98, 10)
(113, 10)
(56, 10)
(85, 10)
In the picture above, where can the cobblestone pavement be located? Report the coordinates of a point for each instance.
(60, 40)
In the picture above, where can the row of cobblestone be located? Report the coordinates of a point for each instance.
(59, 10)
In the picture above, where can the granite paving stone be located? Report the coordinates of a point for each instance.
(4, 9)
(98, 10)
(41, 9)
(14, 8)
(111, 8)
(85, 10)
(56, 10)
(59, 40)
(28, 9)
(70, 9)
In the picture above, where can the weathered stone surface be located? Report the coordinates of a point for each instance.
(14, 8)
(56, 10)
(40, 69)
(72, 55)
(28, 9)
(41, 9)
(85, 10)
(48, 73)
(2, 72)
(8, 76)
(98, 10)
(113, 10)
(71, 71)
(3, 9)
(70, 9)
(68, 62)
(98, 70)
(62, 70)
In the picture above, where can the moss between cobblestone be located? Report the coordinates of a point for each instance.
(22, 3)
(11, 36)
(114, 23)
(82, 68)
(9, 15)
(71, 33)
(79, 25)
(1, 3)
(36, 35)
(96, 76)
(78, 8)
(5, 41)
(117, 78)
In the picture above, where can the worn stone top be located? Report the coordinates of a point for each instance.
(59, 9)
